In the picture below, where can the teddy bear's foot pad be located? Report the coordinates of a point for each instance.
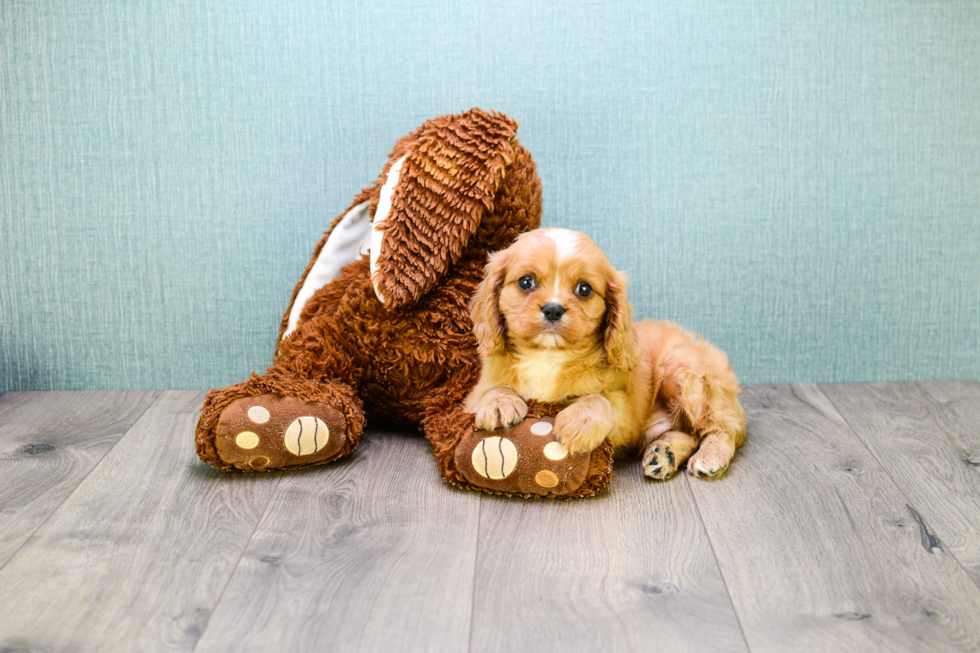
(525, 459)
(268, 432)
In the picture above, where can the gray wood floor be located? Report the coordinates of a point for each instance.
(849, 521)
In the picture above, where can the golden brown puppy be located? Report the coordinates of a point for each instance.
(553, 324)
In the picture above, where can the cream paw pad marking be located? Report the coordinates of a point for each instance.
(258, 433)
(525, 459)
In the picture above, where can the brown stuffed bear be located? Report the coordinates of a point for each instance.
(380, 322)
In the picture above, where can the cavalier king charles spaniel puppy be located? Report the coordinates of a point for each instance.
(553, 324)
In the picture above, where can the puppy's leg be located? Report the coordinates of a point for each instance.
(667, 453)
(722, 429)
(585, 423)
(499, 407)
(703, 394)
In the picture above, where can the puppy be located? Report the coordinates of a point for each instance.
(553, 324)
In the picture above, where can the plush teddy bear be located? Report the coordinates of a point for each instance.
(380, 322)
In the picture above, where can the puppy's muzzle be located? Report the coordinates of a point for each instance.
(553, 312)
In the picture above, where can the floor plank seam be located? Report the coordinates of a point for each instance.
(476, 569)
(234, 569)
(159, 394)
(909, 504)
(714, 555)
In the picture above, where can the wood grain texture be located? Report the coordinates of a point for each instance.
(49, 442)
(958, 413)
(629, 570)
(374, 553)
(139, 554)
(817, 539)
(929, 443)
(820, 549)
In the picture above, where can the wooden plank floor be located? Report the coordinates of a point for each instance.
(850, 521)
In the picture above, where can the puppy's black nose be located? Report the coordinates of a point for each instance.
(553, 312)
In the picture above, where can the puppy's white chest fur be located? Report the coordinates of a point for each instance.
(540, 372)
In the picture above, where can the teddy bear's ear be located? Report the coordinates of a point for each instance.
(436, 188)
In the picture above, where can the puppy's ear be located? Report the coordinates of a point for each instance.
(488, 323)
(622, 350)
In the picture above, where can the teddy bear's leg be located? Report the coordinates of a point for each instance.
(278, 422)
(303, 411)
(524, 460)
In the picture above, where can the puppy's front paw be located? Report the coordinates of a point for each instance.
(500, 410)
(583, 426)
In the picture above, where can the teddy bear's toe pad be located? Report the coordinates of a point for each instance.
(268, 432)
(525, 459)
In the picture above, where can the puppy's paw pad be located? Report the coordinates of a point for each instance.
(659, 462)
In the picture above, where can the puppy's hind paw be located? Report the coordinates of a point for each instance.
(659, 462)
(709, 462)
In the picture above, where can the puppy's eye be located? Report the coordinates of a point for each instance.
(583, 289)
(526, 282)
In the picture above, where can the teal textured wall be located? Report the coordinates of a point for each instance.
(800, 182)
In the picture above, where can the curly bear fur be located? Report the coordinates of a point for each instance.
(392, 334)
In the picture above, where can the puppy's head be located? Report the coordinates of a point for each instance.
(554, 288)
